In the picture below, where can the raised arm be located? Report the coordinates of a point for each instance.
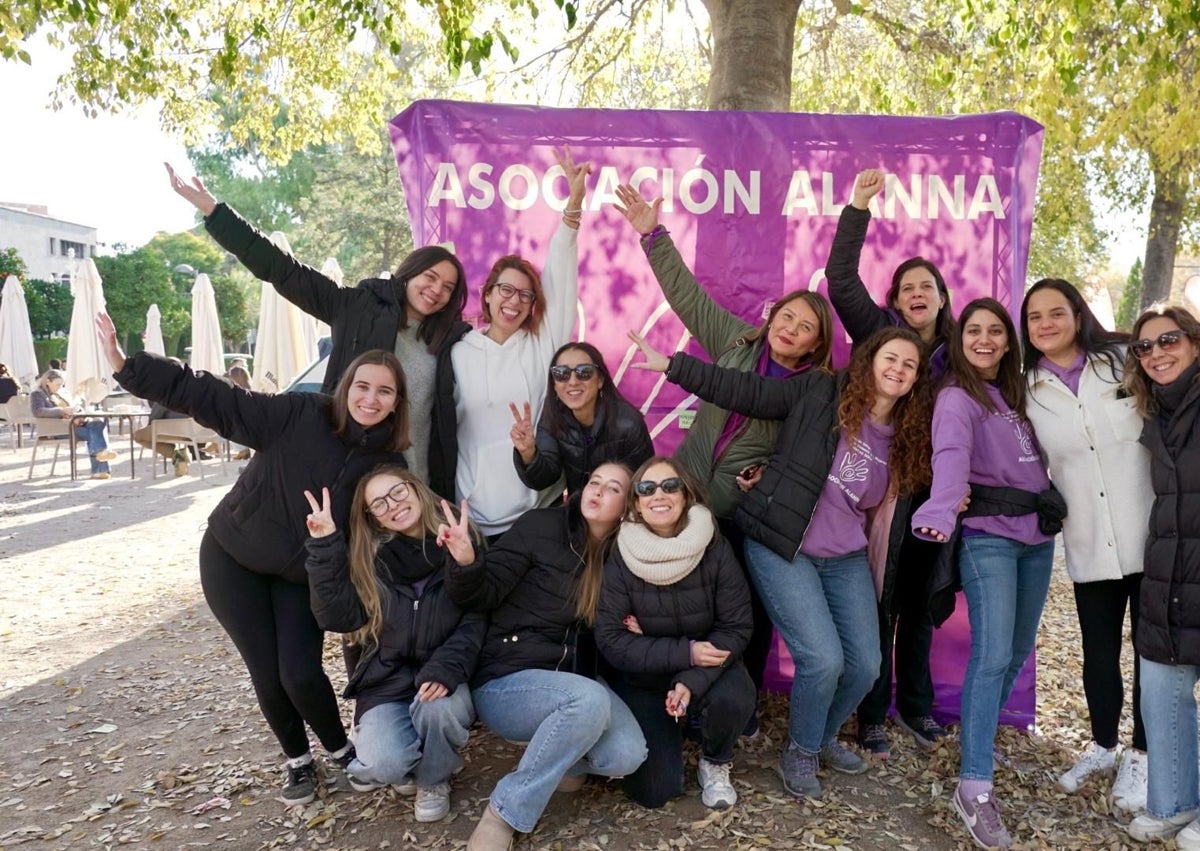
(483, 584)
(300, 284)
(334, 601)
(859, 313)
(560, 278)
(713, 327)
(545, 466)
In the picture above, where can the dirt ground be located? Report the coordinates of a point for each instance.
(127, 719)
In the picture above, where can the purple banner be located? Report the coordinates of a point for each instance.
(752, 201)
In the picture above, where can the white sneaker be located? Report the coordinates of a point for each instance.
(1095, 760)
(718, 793)
(1146, 828)
(433, 802)
(1188, 839)
(1129, 789)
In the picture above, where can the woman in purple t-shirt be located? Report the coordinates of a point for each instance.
(982, 440)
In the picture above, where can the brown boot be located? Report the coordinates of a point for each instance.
(491, 834)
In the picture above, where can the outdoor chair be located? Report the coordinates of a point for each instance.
(17, 416)
(189, 433)
(57, 432)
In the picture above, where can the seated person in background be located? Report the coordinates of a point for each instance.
(8, 384)
(165, 448)
(48, 402)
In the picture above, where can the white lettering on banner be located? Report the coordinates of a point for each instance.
(964, 197)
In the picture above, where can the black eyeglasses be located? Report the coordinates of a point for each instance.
(584, 372)
(647, 488)
(396, 495)
(1168, 341)
(508, 291)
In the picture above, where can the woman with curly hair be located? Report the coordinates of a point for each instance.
(984, 448)
(852, 449)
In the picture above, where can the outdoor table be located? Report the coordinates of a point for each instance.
(108, 416)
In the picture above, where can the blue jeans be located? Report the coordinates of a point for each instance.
(1169, 715)
(94, 433)
(825, 610)
(1005, 583)
(418, 739)
(573, 725)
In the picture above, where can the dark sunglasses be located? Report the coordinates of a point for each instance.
(1168, 341)
(647, 488)
(584, 372)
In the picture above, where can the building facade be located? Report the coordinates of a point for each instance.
(44, 242)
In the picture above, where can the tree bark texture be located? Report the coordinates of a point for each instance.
(1166, 214)
(752, 54)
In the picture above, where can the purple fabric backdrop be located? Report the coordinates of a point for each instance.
(752, 200)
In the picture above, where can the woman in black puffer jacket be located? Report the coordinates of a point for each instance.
(385, 588)
(252, 554)
(674, 619)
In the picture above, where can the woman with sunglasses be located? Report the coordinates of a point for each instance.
(918, 299)
(1088, 429)
(1161, 373)
(505, 365)
(381, 583)
(252, 553)
(852, 449)
(726, 450)
(984, 448)
(416, 313)
(585, 422)
(673, 620)
(536, 681)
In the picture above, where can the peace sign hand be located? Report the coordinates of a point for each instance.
(643, 216)
(320, 522)
(576, 176)
(455, 535)
(656, 361)
(522, 433)
(194, 192)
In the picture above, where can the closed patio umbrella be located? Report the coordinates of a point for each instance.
(154, 339)
(16, 337)
(89, 375)
(287, 338)
(207, 352)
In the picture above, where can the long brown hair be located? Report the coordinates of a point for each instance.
(911, 450)
(1009, 378)
(595, 553)
(537, 310)
(399, 417)
(822, 354)
(1137, 382)
(366, 535)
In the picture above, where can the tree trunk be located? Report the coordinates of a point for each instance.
(752, 54)
(1166, 213)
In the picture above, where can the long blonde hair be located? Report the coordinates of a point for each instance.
(366, 536)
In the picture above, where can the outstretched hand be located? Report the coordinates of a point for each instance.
(106, 331)
(455, 535)
(320, 522)
(576, 176)
(656, 361)
(643, 216)
(522, 432)
(866, 186)
(194, 192)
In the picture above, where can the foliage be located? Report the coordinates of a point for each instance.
(132, 282)
(11, 263)
(1131, 297)
(49, 304)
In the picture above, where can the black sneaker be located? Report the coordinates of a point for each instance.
(924, 730)
(873, 739)
(300, 785)
(750, 731)
(343, 761)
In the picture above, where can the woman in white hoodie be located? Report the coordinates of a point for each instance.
(502, 368)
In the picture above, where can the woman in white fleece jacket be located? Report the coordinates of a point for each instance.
(501, 369)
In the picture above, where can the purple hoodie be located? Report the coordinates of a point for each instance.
(973, 444)
(856, 483)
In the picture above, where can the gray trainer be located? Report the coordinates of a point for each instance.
(799, 772)
(981, 815)
(837, 756)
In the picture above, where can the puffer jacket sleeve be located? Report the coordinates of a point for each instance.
(860, 315)
(734, 619)
(304, 286)
(627, 651)
(483, 584)
(331, 595)
(454, 662)
(546, 467)
(636, 445)
(251, 419)
(737, 390)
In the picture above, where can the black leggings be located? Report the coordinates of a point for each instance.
(274, 630)
(1101, 608)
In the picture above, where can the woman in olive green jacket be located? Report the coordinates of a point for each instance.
(724, 450)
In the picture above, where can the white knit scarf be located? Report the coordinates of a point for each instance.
(665, 561)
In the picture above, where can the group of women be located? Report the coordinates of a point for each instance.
(602, 629)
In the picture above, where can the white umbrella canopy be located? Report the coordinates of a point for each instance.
(89, 375)
(207, 351)
(16, 337)
(287, 337)
(154, 339)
